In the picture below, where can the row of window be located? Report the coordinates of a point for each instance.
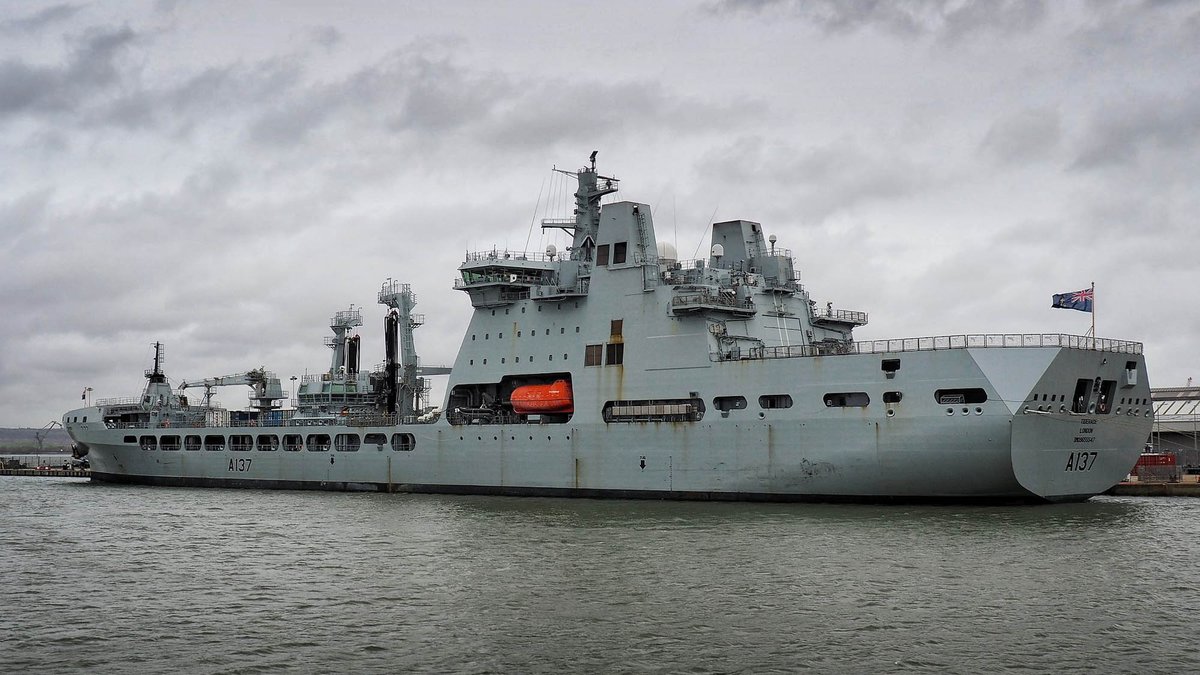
(539, 308)
(271, 442)
(517, 359)
(532, 333)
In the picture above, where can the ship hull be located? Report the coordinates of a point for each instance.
(1010, 448)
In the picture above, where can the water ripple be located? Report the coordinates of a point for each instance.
(124, 579)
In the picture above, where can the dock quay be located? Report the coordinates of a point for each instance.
(48, 473)
(1155, 489)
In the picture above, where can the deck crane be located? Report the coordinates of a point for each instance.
(266, 388)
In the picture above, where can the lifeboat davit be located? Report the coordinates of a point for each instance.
(543, 398)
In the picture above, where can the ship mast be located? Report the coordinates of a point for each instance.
(591, 188)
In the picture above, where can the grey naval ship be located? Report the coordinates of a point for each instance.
(612, 369)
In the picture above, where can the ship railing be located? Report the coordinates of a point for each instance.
(520, 256)
(700, 297)
(841, 315)
(128, 400)
(938, 343)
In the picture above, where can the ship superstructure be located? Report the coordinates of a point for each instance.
(611, 369)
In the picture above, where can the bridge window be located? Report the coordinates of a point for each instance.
(959, 396)
(293, 442)
(602, 255)
(769, 401)
(191, 443)
(615, 327)
(847, 399)
(214, 443)
(168, 443)
(592, 355)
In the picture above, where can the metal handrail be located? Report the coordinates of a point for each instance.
(939, 343)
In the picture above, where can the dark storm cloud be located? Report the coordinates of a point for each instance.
(41, 19)
(1024, 136)
(90, 67)
(1122, 132)
(428, 95)
(949, 19)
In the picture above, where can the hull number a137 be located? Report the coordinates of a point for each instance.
(243, 464)
(1081, 461)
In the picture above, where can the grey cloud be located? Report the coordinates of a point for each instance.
(820, 180)
(950, 19)
(1023, 136)
(50, 89)
(326, 36)
(41, 19)
(20, 217)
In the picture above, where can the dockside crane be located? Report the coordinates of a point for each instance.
(41, 434)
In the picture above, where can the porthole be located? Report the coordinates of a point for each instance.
(966, 410)
(1118, 411)
(762, 415)
(1062, 409)
(979, 411)
(950, 411)
(891, 412)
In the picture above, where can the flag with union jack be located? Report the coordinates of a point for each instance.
(1080, 300)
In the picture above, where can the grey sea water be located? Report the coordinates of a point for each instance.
(102, 578)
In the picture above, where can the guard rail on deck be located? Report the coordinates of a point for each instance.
(924, 344)
(507, 256)
(280, 419)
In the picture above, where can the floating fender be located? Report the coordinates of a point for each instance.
(543, 398)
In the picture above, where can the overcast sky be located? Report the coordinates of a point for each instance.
(224, 176)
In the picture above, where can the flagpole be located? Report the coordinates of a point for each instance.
(1093, 310)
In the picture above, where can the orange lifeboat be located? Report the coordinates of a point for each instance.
(543, 398)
